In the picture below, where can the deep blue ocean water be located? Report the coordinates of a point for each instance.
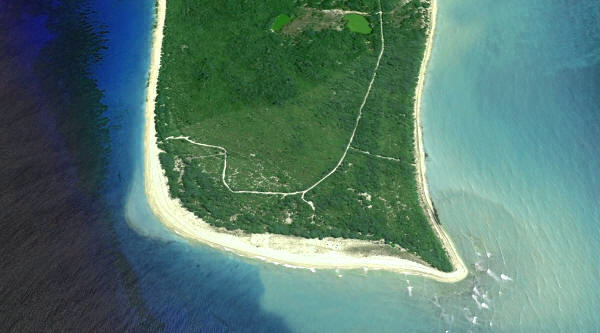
(511, 123)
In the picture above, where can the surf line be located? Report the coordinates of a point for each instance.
(339, 163)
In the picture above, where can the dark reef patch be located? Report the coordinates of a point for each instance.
(69, 262)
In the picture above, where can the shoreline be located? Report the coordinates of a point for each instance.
(419, 151)
(290, 251)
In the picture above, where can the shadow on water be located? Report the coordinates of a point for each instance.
(69, 262)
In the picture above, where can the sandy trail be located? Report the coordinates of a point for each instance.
(376, 155)
(342, 158)
(343, 12)
(297, 252)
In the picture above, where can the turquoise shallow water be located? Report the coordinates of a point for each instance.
(511, 122)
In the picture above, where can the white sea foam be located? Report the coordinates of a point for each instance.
(479, 266)
(436, 301)
(493, 275)
(469, 317)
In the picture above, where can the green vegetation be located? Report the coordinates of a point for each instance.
(284, 106)
(357, 23)
(280, 21)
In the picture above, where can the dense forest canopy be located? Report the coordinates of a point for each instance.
(283, 104)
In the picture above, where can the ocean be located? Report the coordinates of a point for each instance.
(511, 118)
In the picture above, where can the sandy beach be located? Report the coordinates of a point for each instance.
(290, 251)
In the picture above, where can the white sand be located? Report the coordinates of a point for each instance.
(455, 258)
(330, 253)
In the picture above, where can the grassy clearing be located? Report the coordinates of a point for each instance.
(284, 105)
(280, 21)
(357, 23)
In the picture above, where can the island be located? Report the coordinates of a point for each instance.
(289, 131)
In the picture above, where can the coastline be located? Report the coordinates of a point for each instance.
(422, 185)
(290, 251)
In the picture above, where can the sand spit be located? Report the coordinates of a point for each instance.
(297, 252)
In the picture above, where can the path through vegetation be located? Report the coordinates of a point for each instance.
(341, 160)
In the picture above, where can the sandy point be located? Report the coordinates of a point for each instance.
(291, 251)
